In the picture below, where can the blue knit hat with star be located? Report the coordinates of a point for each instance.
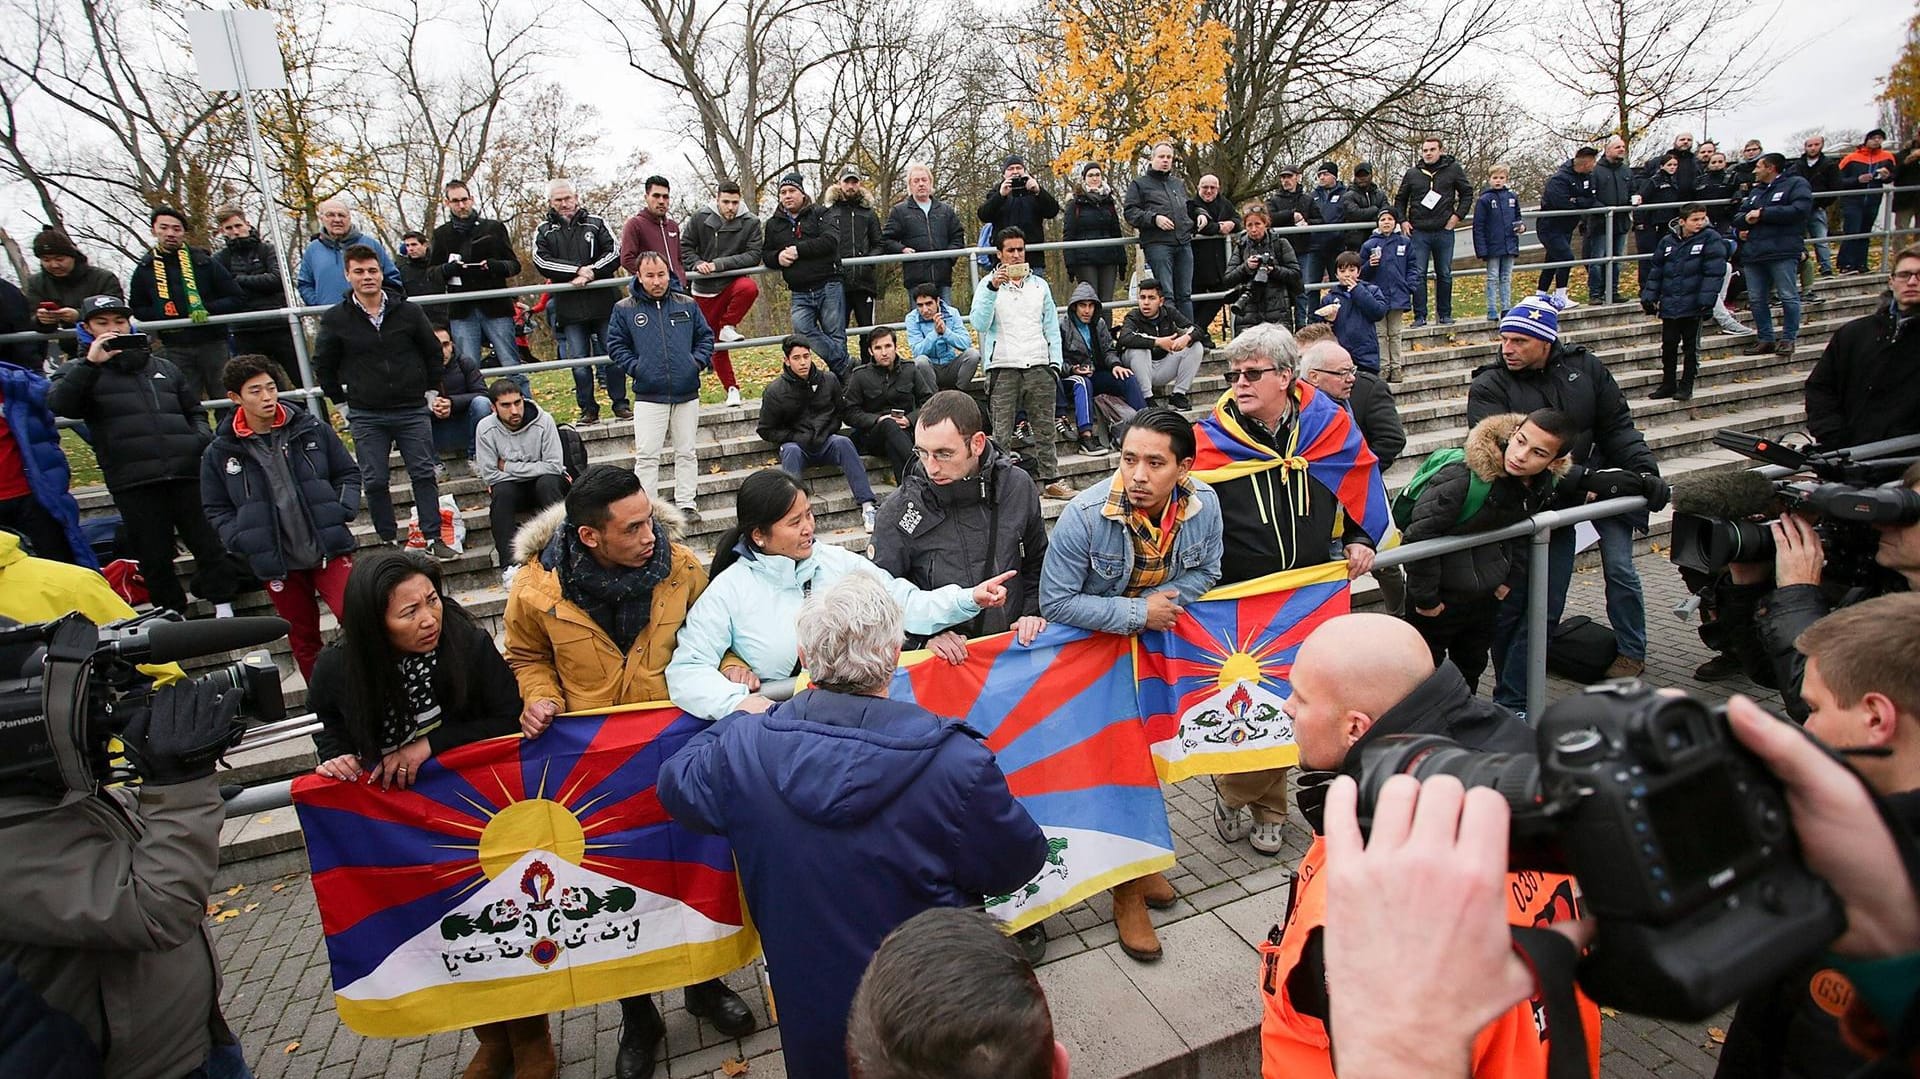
(1534, 318)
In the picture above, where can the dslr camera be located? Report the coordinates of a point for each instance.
(68, 689)
(1725, 518)
(1678, 836)
(1263, 264)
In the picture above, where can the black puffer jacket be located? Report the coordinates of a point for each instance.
(1445, 178)
(235, 489)
(1361, 205)
(419, 279)
(858, 227)
(873, 391)
(1475, 573)
(1093, 216)
(255, 267)
(937, 228)
(145, 419)
(391, 366)
(811, 231)
(1271, 300)
(1283, 206)
(1578, 384)
(803, 410)
(1865, 387)
(1074, 351)
(932, 535)
(1658, 188)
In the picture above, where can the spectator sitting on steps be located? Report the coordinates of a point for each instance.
(800, 414)
(517, 454)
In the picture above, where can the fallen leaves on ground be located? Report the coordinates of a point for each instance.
(735, 1067)
(291, 1046)
(1716, 1036)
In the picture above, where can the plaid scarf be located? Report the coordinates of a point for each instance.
(1152, 541)
(196, 310)
(619, 599)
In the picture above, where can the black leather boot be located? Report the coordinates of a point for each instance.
(641, 1029)
(714, 1002)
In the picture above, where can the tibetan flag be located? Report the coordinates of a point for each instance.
(517, 878)
(1211, 687)
(1063, 719)
(1324, 441)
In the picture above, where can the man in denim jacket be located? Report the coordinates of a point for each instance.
(1124, 557)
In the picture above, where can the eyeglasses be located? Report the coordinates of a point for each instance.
(1249, 375)
(1906, 275)
(461, 200)
(1342, 373)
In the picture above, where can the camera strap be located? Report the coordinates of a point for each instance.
(1552, 958)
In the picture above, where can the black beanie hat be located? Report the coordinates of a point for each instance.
(52, 243)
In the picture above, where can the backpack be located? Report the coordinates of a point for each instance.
(573, 452)
(1477, 488)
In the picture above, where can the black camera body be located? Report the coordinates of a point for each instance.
(1263, 265)
(1679, 838)
(68, 688)
(1727, 521)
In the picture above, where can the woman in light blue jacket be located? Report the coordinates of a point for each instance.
(741, 629)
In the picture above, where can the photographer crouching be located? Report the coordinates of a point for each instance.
(106, 885)
(1765, 607)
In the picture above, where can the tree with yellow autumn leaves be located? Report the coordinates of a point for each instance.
(1123, 74)
(1900, 88)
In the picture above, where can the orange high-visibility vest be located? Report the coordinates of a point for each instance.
(1514, 1046)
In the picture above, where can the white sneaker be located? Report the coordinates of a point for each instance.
(1232, 825)
(1267, 837)
(733, 395)
(728, 333)
(506, 575)
(1733, 328)
(867, 512)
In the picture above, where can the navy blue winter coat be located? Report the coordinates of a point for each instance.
(1395, 276)
(23, 396)
(1353, 325)
(1683, 280)
(1495, 213)
(1566, 190)
(1332, 202)
(664, 344)
(240, 507)
(848, 815)
(1784, 205)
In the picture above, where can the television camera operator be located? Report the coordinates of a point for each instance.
(1765, 607)
(106, 883)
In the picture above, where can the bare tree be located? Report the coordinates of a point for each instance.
(1634, 64)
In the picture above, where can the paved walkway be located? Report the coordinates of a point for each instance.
(278, 999)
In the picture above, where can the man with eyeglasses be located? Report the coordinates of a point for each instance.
(474, 254)
(1864, 389)
(1329, 368)
(1280, 517)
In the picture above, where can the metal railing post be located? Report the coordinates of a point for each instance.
(1610, 268)
(1539, 562)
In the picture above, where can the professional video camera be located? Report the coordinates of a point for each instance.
(1678, 836)
(68, 686)
(1724, 518)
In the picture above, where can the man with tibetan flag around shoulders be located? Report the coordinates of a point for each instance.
(1298, 488)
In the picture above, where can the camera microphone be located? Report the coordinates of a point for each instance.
(170, 642)
(1730, 496)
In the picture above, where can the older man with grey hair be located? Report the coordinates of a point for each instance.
(322, 276)
(841, 786)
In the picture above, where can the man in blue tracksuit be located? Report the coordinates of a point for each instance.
(1772, 221)
(660, 339)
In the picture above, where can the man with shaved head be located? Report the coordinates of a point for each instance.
(1357, 679)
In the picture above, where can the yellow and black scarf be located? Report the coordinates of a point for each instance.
(162, 285)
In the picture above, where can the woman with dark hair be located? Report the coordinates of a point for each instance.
(1093, 214)
(741, 629)
(413, 676)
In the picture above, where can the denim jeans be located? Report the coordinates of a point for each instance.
(838, 451)
(223, 1062)
(469, 330)
(1626, 606)
(1499, 285)
(1817, 229)
(1626, 603)
(1858, 212)
(579, 339)
(1602, 276)
(1436, 244)
(820, 315)
(455, 433)
(1172, 267)
(1309, 274)
(375, 433)
(1767, 280)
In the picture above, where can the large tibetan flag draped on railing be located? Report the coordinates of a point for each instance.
(519, 877)
(1062, 718)
(1211, 688)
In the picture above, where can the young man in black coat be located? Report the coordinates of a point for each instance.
(801, 243)
(882, 398)
(1863, 388)
(148, 432)
(1609, 457)
(471, 253)
(858, 226)
(800, 414)
(1434, 195)
(281, 489)
(255, 266)
(178, 281)
(1019, 201)
(377, 353)
(1505, 474)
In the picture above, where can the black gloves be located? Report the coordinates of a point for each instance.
(182, 732)
(1604, 483)
(1649, 307)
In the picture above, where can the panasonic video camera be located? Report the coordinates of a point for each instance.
(1678, 836)
(68, 687)
(1725, 518)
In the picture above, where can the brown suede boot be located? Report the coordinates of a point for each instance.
(494, 1058)
(1157, 890)
(532, 1048)
(1137, 937)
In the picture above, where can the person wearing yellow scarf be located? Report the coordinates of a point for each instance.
(179, 281)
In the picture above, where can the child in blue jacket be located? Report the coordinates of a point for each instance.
(1497, 226)
(1353, 306)
(1681, 284)
(1384, 263)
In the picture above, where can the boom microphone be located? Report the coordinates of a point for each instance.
(1727, 496)
(170, 642)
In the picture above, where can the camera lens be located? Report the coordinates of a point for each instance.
(1515, 776)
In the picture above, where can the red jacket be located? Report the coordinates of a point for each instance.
(643, 233)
